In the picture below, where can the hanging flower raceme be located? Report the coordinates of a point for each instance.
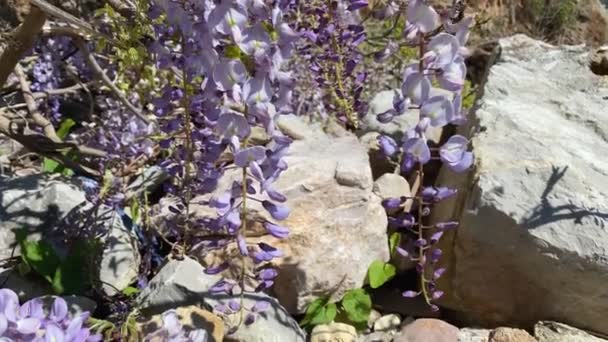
(332, 33)
(227, 63)
(31, 321)
(441, 64)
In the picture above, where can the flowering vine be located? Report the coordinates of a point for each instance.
(30, 321)
(440, 65)
(223, 62)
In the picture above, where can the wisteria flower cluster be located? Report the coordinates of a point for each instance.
(332, 32)
(440, 65)
(30, 322)
(172, 330)
(224, 64)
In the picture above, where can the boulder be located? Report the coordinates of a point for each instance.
(181, 283)
(533, 237)
(473, 335)
(510, 335)
(547, 331)
(45, 206)
(427, 329)
(336, 222)
(333, 332)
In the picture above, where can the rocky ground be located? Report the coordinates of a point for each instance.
(532, 248)
(529, 261)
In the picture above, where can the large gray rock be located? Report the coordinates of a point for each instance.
(533, 237)
(336, 222)
(558, 332)
(182, 283)
(43, 205)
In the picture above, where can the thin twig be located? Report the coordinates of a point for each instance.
(20, 42)
(106, 80)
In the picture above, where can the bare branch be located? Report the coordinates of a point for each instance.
(20, 42)
(107, 81)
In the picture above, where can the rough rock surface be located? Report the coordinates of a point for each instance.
(557, 332)
(333, 332)
(184, 283)
(41, 204)
(533, 238)
(392, 185)
(510, 335)
(336, 222)
(397, 127)
(473, 335)
(191, 317)
(427, 329)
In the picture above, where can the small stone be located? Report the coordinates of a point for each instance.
(474, 335)
(510, 335)
(599, 61)
(374, 315)
(191, 317)
(378, 336)
(427, 329)
(334, 332)
(120, 257)
(392, 185)
(379, 163)
(547, 331)
(387, 323)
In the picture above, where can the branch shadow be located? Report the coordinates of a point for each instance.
(545, 212)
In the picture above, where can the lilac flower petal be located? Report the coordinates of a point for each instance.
(53, 333)
(260, 306)
(410, 294)
(444, 49)
(388, 146)
(418, 148)
(234, 305)
(59, 310)
(230, 124)
(278, 212)
(416, 87)
(436, 237)
(422, 16)
(171, 323)
(268, 274)
(3, 324)
(438, 273)
(251, 154)
(438, 109)
(28, 325)
(242, 245)
(275, 230)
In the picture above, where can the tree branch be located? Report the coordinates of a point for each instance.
(20, 42)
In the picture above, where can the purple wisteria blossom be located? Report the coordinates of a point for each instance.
(32, 322)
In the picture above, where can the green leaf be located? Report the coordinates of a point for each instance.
(130, 291)
(71, 276)
(232, 51)
(41, 257)
(319, 311)
(326, 315)
(379, 273)
(64, 128)
(358, 304)
(51, 166)
(393, 242)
